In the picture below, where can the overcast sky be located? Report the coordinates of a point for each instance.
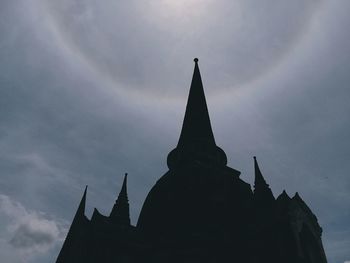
(90, 90)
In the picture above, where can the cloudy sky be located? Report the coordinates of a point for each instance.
(91, 89)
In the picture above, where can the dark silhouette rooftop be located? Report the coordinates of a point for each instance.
(200, 210)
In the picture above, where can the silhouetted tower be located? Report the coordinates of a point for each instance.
(120, 213)
(196, 142)
(200, 201)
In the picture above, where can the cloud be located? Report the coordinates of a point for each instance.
(29, 233)
(35, 234)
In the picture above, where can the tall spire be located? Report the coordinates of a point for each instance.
(120, 213)
(196, 139)
(196, 124)
(261, 188)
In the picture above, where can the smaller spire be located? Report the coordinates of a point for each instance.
(284, 196)
(120, 213)
(259, 179)
(283, 202)
(81, 208)
(77, 231)
(123, 193)
(261, 188)
(297, 196)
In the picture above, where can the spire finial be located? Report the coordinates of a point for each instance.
(195, 60)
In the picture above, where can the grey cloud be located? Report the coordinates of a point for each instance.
(30, 234)
(26, 236)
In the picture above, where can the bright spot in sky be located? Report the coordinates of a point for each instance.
(240, 40)
(182, 8)
(181, 5)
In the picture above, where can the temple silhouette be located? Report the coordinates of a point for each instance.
(199, 211)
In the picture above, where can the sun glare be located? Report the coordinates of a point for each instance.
(179, 5)
(181, 10)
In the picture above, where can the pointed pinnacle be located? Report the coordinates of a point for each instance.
(196, 125)
(123, 192)
(81, 208)
(297, 196)
(120, 211)
(259, 179)
(284, 194)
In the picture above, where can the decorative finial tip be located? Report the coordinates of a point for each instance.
(196, 60)
(254, 157)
